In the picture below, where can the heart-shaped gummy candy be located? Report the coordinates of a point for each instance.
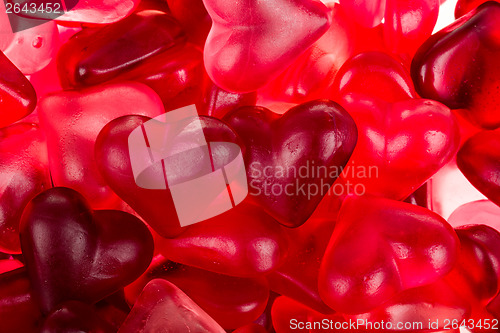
(74, 253)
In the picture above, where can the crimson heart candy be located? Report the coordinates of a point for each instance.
(72, 120)
(377, 251)
(17, 96)
(156, 206)
(250, 43)
(73, 316)
(243, 241)
(96, 55)
(408, 23)
(297, 278)
(193, 17)
(24, 173)
(18, 309)
(162, 307)
(400, 146)
(293, 159)
(478, 161)
(458, 66)
(74, 253)
(231, 301)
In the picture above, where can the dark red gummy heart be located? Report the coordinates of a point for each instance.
(74, 253)
(377, 251)
(478, 160)
(458, 66)
(291, 159)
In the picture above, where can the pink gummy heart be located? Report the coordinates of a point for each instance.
(157, 206)
(74, 253)
(377, 251)
(458, 66)
(243, 241)
(290, 157)
(162, 307)
(24, 173)
(476, 212)
(88, 11)
(251, 43)
(72, 120)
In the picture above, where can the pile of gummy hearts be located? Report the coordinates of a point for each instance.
(361, 97)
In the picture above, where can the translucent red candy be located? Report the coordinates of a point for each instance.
(162, 307)
(458, 66)
(24, 174)
(253, 246)
(17, 96)
(193, 17)
(156, 206)
(356, 279)
(88, 11)
(96, 55)
(75, 316)
(368, 13)
(247, 47)
(71, 251)
(401, 141)
(317, 135)
(232, 301)
(478, 161)
(18, 310)
(72, 120)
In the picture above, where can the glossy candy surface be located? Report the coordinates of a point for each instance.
(478, 161)
(458, 66)
(164, 307)
(74, 253)
(72, 120)
(247, 47)
(355, 279)
(243, 241)
(24, 174)
(231, 301)
(156, 206)
(96, 55)
(290, 158)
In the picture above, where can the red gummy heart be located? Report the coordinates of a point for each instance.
(458, 66)
(243, 241)
(478, 160)
(88, 11)
(297, 278)
(74, 253)
(24, 174)
(368, 13)
(193, 17)
(377, 251)
(291, 159)
(17, 96)
(162, 307)
(250, 43)
(156, 206)
(18, 309)
(402, 142)
(72, 120)
(231, 301)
